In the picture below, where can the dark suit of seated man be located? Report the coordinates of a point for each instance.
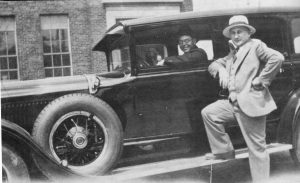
(192, 54)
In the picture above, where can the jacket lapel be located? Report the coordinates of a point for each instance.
(241, 55)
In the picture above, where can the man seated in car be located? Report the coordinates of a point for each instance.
(192, 54)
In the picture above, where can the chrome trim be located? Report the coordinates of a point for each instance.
(93, 83)
(171, 73)
(154, 139)
(144, 142)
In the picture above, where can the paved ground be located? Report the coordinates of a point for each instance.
(283, 170)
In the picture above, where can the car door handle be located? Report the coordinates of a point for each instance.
(140, 114)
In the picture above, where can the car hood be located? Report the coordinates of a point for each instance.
(91, 82)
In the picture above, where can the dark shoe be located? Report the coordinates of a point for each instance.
(221, 156)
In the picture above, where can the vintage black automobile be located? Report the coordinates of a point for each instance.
(84, 121)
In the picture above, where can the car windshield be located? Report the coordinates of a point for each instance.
(120, 57)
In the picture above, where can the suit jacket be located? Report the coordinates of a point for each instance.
(254, 60)
(194, 56)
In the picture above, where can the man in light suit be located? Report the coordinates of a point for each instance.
(246, 72)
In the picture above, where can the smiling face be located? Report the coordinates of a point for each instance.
(186, 43)
(239, 35)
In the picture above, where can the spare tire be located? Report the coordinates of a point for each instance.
(295, 152)
(81, 132)
(14, 169)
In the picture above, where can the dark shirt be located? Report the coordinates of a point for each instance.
(193, 57)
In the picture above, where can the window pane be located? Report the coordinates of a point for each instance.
(296, 34)
(56, 60)
(66, 59)
(47, 61)
(64, 46)
(48, 73)
(11, 43)
(2, 43)
(3, 63)
(297, 44)
(46, 46)
(67, 71)
(13, 75)
(207, 46)
(58, 72)
(4, 75)
(55, 34)
(12, 61)
(55, 46)
(64, 34)
(46, 35)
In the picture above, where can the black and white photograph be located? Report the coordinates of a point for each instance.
(150, 91)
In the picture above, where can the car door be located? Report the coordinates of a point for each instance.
(169, 100)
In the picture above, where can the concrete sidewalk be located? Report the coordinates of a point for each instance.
(283, 170)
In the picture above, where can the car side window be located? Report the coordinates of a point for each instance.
(207, 46)
(120, 56)
(150, 55)
(270, 30)
(120, 59)
(296, 34)
(158, 48)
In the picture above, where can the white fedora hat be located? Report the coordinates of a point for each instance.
(237, 21)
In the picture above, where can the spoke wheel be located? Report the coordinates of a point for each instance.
(295, 152)
(81, 132)
(77, 138)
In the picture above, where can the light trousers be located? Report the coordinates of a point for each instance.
(253, 129)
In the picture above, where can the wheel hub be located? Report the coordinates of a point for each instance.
(78, 137)
(80, 140)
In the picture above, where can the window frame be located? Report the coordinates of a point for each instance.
(58, 29)
(7, 56)
(166, 69)
(292, 46)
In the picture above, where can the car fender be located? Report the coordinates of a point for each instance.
(14, 135)
(287, 122)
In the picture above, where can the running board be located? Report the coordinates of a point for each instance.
(149, 169)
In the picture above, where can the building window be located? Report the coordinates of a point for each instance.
(56, 46)
(8, 53)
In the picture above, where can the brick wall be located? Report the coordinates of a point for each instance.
(97, 14)
(87, 24)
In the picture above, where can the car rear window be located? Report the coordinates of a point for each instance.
(270, 30)
(296, 34)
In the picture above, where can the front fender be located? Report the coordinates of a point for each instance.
(287, 122)
(20, 139)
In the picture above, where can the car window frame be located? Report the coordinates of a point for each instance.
(293, 54)
(166, 69)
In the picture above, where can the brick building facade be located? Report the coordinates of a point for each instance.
(41, 39)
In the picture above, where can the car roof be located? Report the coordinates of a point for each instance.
(121, 27)
(208, 13)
